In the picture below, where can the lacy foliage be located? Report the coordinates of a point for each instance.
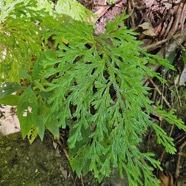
(94, 86)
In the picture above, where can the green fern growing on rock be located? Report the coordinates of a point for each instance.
(94, 86)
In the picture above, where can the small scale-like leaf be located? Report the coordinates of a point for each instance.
(10, 100)
(52, 126)
(27, 111)
(32, 134)
(8, 88)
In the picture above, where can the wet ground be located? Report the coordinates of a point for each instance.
(41, 164)
(32, 165)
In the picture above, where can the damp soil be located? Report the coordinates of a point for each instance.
(39, 164)
(42, 164)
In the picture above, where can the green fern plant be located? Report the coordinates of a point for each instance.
(94, 86)
(25, 26)
(18, 44)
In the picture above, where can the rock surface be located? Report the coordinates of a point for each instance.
(8, 120)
